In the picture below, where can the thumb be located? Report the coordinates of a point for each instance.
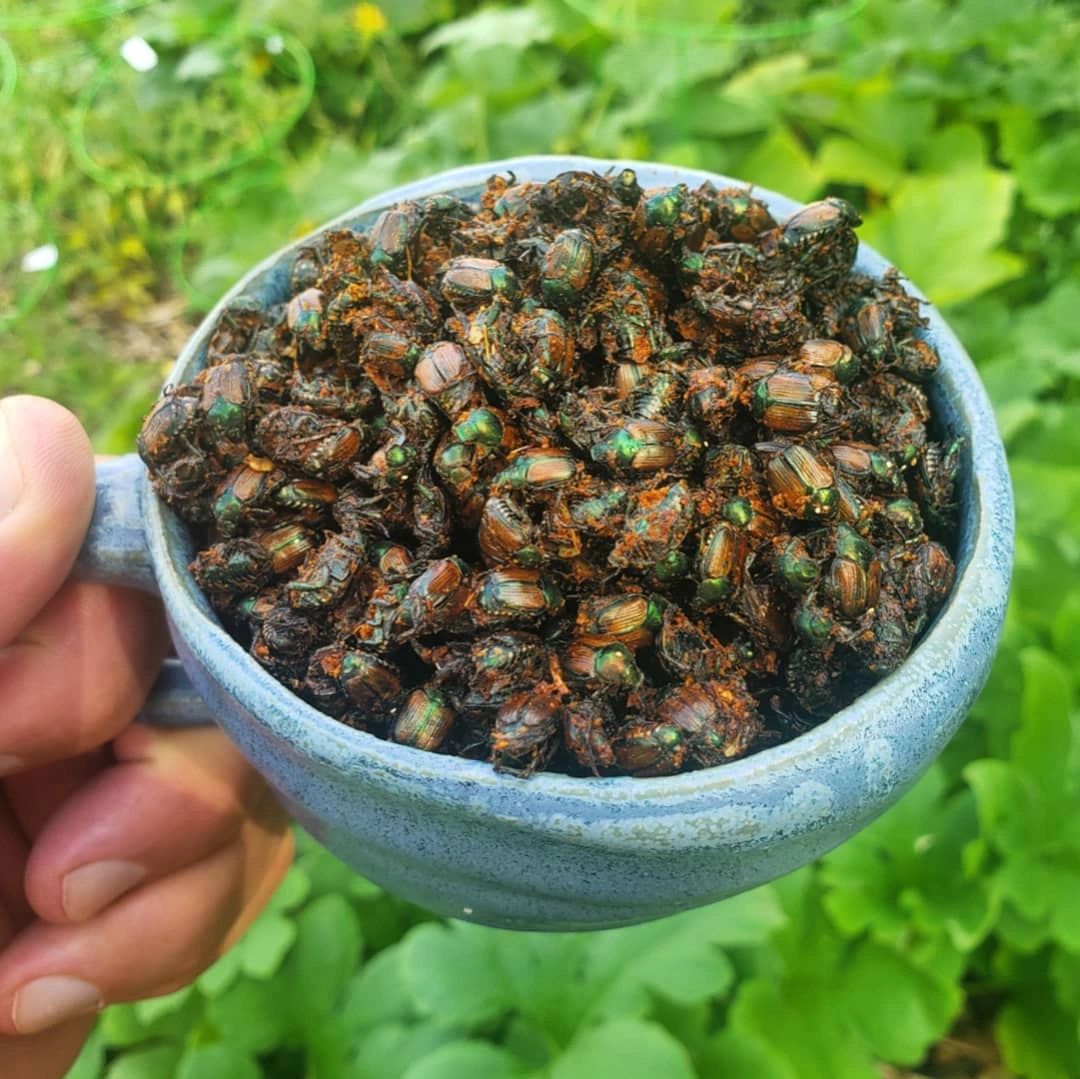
(46, 498)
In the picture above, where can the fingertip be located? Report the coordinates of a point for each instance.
(46, 498)
(52, 449)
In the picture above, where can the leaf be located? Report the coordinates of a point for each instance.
(1065, 632)
(1047, 176)
(325, 953)
(158, 1062)
(1041, 745)
(292, 891)
(799, 1023)
(149, 1011)
(898, 1009)
(781, 162)
(1037, 1039)
(219, 976)
(678, 958)
(251, 1016)
(379, 993)
(451, 973)
(217, 1062)
(466, 1060)
(266, 944)
(943, 232)
(387, 1052)
(954, 148)
(509, 29)
(1004, 803)
(627, 1048)
(736, 1053)
(848, 161)
(568, 981)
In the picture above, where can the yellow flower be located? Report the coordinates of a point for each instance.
(369, 20)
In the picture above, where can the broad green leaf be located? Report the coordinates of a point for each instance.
(1064, 887)
(943, 232)
(898, 1009)
(782, 163)
(217, 1062)
(388, 1051)
(149, 1011)
(1041, 746)
(676, 960)
(736, 1053)
(292, 891)
(1020, 935)
(957, 147)
(325, 953)
(1047, 176)
(547, 977)
(1024, 880)
(1037, 1039)
(328, 873)
(1065, 975)
(873, 111)
(158, 1062)
(772, 77)
(1066, 634)
(379, 993)
(252, 1016)
(130, 1024)
(265, 945)
(800, 1023)
(466, 1060)
(1004, 804)
(217, 978)
(849, 161)
(627, 1048)
(451, 972)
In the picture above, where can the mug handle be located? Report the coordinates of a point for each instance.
(115, 552)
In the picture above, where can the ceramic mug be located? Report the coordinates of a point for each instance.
(551, 851)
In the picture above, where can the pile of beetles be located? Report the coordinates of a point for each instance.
(584, 477)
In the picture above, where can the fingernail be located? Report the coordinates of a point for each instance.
(11, 479)
(9, 764)
(54, 999)
(91, 888)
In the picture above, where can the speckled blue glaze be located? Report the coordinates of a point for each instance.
(554, 852)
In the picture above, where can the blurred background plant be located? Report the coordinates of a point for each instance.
(151, 151)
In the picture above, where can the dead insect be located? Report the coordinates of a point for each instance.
(523, 736)
(513, 596)
(424, 720)
(326, 573)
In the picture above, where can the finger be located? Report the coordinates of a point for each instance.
(46, 497)
(153, 941)
(13, 852)
(35, 796)
(47, 1055)
(79, 672)
(40, 1056)
(120, 830)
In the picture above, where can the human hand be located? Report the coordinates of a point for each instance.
(130, 858)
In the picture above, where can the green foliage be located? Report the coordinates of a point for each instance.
(952, 124)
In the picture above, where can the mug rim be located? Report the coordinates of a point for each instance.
(974, 608)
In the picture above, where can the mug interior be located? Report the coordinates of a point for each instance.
(961, 410)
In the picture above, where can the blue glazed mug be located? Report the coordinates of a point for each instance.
(554, 852)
